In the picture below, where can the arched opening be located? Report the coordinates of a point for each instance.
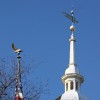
(71, 85)
(66, 86)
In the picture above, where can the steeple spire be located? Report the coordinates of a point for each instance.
(72, 39)
(72, 79)
(72, 42)
(18, 90)
(72, 51)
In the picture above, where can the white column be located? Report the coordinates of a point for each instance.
(74, 85)
(72, 50)
(68, 85)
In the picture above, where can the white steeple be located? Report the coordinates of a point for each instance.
(72, 61)
(72, 50)
(72, 78)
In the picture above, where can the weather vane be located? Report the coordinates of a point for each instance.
(16, 49)
(72, 18)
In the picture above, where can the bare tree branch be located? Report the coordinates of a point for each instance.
(8, 81)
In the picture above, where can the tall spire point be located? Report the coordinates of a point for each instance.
(72, 12)
(72, 27)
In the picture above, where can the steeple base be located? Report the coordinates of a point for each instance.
(73, 95)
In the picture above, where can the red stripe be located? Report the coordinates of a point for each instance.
(18, 98)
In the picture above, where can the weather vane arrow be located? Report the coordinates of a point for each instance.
(70, 16)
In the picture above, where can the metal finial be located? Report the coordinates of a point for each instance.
(72, 28)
